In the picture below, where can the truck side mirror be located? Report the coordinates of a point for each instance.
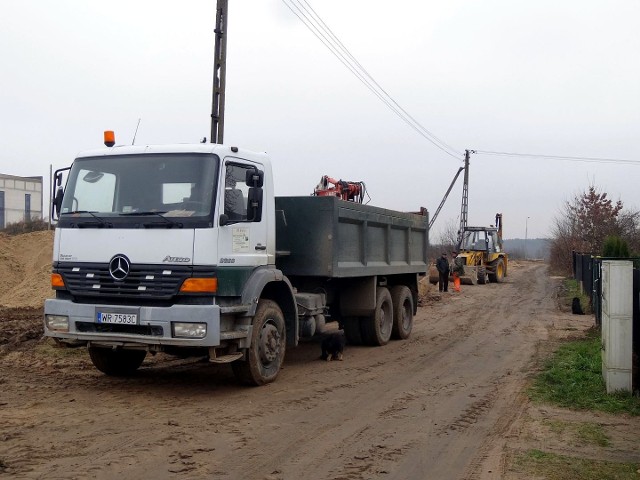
(223, 220)
(254, 204)
(57, 203)
(254, 178)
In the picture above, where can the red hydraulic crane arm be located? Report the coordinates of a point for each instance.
(349, 191)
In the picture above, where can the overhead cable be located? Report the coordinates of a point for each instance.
(366, 73)
(309, 17)
(314, 29)
(562, 157)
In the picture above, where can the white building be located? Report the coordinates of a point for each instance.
(20, 199)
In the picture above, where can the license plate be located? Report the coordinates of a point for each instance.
(117, 318)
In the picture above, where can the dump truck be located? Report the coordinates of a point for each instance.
(185, 249)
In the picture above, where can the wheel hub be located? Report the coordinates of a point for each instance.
(269, 343)
(406, 316)
(384, 325)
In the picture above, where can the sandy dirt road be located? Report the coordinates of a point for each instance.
(436, 406)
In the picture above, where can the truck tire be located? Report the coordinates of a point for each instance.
(266, 351)
(482, 275)
(377, 328)
(498, 275)
(116, 363)
(402, 312)
(352, 330)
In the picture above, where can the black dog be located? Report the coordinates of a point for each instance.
(576, 308)
(332, 347)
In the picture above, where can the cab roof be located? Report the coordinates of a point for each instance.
(220, 150)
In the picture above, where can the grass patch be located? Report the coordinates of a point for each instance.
(592, 433)
(583, 433)
(536, 463)
(572, 378)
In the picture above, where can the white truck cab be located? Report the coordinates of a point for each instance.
(151, 243)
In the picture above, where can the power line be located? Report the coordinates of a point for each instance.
(562, 157)
(310, 18)
(366, 73)
(314, 29)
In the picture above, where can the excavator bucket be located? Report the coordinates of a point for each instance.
(433, 275)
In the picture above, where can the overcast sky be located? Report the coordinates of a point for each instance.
(544, 77)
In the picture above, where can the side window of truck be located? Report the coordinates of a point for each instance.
(236, 192)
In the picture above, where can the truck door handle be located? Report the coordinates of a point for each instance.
(261, 247)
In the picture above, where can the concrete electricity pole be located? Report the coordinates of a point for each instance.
(464, 209)
(219, 73)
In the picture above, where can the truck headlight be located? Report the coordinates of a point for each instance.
(189, 330)
(57, 323)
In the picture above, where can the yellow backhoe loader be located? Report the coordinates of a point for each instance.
(483, 254)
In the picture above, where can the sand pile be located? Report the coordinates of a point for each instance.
(25, 269)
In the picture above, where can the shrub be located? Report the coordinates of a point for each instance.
(26, 226)
(616, 247)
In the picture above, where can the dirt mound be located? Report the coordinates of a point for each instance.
(25, 268)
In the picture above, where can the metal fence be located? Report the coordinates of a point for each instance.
(587, 270)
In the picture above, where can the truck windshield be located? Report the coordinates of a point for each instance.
(127, 186)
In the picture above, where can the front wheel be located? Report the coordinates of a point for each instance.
(482, 275)
(266, 351)
(499, 272)
(116, 363)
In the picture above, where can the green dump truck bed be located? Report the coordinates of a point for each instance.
(330, 237)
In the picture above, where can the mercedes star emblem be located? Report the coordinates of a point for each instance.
(119, 267)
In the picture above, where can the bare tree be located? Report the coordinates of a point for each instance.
(449, 235)
(585, 222)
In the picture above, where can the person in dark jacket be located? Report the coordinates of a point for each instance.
(442, 265)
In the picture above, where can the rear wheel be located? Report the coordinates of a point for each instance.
(117, 363)
(376, 329)
(266, 351)
(402, 312)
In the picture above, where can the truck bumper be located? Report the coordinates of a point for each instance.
(154, 326)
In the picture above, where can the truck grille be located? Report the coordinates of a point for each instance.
(143, 281)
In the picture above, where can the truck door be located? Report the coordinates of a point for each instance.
(242, 241)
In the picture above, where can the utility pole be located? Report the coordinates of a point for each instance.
(219, 73)
(464, 210)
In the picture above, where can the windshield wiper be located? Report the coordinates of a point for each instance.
(100, 221)
(168, 222)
